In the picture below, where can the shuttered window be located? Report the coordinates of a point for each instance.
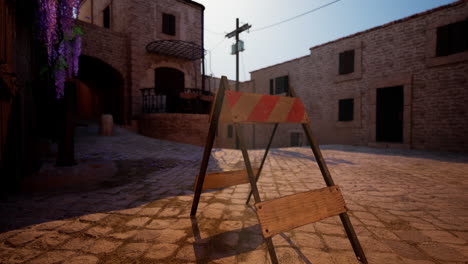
(452, 38)
(279, 85)
(169, 24)
(346, 62)
(346, 110)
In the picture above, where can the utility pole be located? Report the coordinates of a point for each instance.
(237, 48)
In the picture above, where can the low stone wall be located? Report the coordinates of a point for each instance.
(184, 128)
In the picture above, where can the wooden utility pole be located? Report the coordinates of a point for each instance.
(236, 34)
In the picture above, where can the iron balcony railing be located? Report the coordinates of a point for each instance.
(191, 100)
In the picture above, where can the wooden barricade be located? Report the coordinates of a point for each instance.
(285, 213)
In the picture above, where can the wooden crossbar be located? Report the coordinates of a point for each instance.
(288, 212)
(240, 107)
(225, 179)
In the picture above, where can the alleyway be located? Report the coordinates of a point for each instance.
(407, 207)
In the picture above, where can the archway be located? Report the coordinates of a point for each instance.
(169, 82)
(100, 90)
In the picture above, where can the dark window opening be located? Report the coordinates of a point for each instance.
(279, 85)
(346, 62)
(229, 131)
(272, 91)
(297, 139)
(169, 82)
(452, 38)
(389, 123)
(106, 17)
(169, 24)
(346, 110)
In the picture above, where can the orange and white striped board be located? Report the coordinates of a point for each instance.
(239, 107)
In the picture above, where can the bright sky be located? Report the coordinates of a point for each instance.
(294, 38)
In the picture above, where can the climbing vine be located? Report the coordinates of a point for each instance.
(61, 38)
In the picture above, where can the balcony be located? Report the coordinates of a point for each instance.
(192, 101)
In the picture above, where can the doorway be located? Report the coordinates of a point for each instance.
(169, 82)
(99, 90)
(389, 123)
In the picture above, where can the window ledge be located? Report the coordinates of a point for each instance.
(348, 77)
(347, 124)
(444, 60)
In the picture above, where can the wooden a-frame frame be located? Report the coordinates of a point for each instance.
(285, 213)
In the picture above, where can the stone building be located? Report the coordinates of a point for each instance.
(400, 85)
(133, 45)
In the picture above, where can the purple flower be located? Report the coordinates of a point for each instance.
(56, 18)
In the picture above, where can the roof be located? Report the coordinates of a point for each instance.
(427, 12)
(195, 3)
(284, 62)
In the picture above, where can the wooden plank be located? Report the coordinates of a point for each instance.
(240, 107)
(225, 179)
(208, 146)
(286, 213)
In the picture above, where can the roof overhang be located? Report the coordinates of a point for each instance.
(176, 48)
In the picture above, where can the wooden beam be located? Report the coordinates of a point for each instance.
(225, 179)
(286, 213)
(208, 145)
(240, 107)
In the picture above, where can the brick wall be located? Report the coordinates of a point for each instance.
(435, 114)
(140, 22)
(184, 128)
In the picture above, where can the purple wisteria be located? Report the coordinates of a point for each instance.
(61, 39)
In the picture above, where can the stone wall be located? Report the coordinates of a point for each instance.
(184, 128)
(141, 23)
(110, 47)
(435, 114)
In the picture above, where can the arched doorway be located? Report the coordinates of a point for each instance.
(169, 82)
(100, 90)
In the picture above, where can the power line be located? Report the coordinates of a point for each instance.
(217, 44)
(289, 19)
(214, 32)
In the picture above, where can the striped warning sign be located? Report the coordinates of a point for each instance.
(239, 107)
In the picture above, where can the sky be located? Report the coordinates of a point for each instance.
(294, 38)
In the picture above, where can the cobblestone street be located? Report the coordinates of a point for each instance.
(407, 207)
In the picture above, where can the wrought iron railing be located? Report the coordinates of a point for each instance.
(192, 100)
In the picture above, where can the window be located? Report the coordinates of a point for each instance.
(169, 24)
(346, 110)
(229, 131)
(452, 38)
(272, 87)
(279, 85)
(106, 17)
(346, 62)
(297, 139)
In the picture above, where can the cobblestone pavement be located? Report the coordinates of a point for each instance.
(406, 206)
